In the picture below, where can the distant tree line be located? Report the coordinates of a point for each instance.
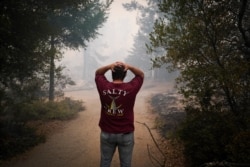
(138, 55)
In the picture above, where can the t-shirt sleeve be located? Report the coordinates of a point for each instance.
(137, 82)
(100, 80)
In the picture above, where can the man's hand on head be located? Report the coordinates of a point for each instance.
(115, 64)
(121, 64)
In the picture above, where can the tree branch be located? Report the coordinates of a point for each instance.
(156, 144)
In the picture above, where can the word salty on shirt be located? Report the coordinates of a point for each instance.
(114, 92)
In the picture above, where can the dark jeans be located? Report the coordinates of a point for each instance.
(125, 144)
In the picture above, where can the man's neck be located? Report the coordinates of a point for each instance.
(117, 81)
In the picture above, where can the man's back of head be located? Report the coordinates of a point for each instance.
(119, 73)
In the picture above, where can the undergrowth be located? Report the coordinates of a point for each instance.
(15, 134)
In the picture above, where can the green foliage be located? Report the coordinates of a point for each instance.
(207, 136)
(145, 15)
(72, 25)
(31, 35)
(138, 54)
(208, 41)
(201, 39)
(17, 137)
(39, 110)
(239, 148)
(34, 31)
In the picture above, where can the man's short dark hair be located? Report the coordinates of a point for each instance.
(119, 73)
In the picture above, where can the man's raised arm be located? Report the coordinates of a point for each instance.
(102, 70)
(135, 71)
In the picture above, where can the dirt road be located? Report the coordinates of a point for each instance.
(77, 143)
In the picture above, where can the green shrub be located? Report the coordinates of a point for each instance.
(40, 110)
(206, 136)
(16, 137)
(239, 148)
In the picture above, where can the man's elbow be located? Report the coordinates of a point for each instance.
(141, 75)
(97, 72)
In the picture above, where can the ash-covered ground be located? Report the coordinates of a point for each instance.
(170, 110)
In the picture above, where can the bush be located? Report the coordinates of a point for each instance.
(206, 136)
(239, 148)
(39, 110)
(16, 136)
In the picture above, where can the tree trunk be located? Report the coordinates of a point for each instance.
(52, 71)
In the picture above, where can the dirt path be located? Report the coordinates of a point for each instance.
(77, 144)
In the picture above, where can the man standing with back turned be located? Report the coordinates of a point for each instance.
(117, 111)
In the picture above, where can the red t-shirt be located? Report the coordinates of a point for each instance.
(117, 104)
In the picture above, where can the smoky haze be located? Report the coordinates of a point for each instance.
(115, 43)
